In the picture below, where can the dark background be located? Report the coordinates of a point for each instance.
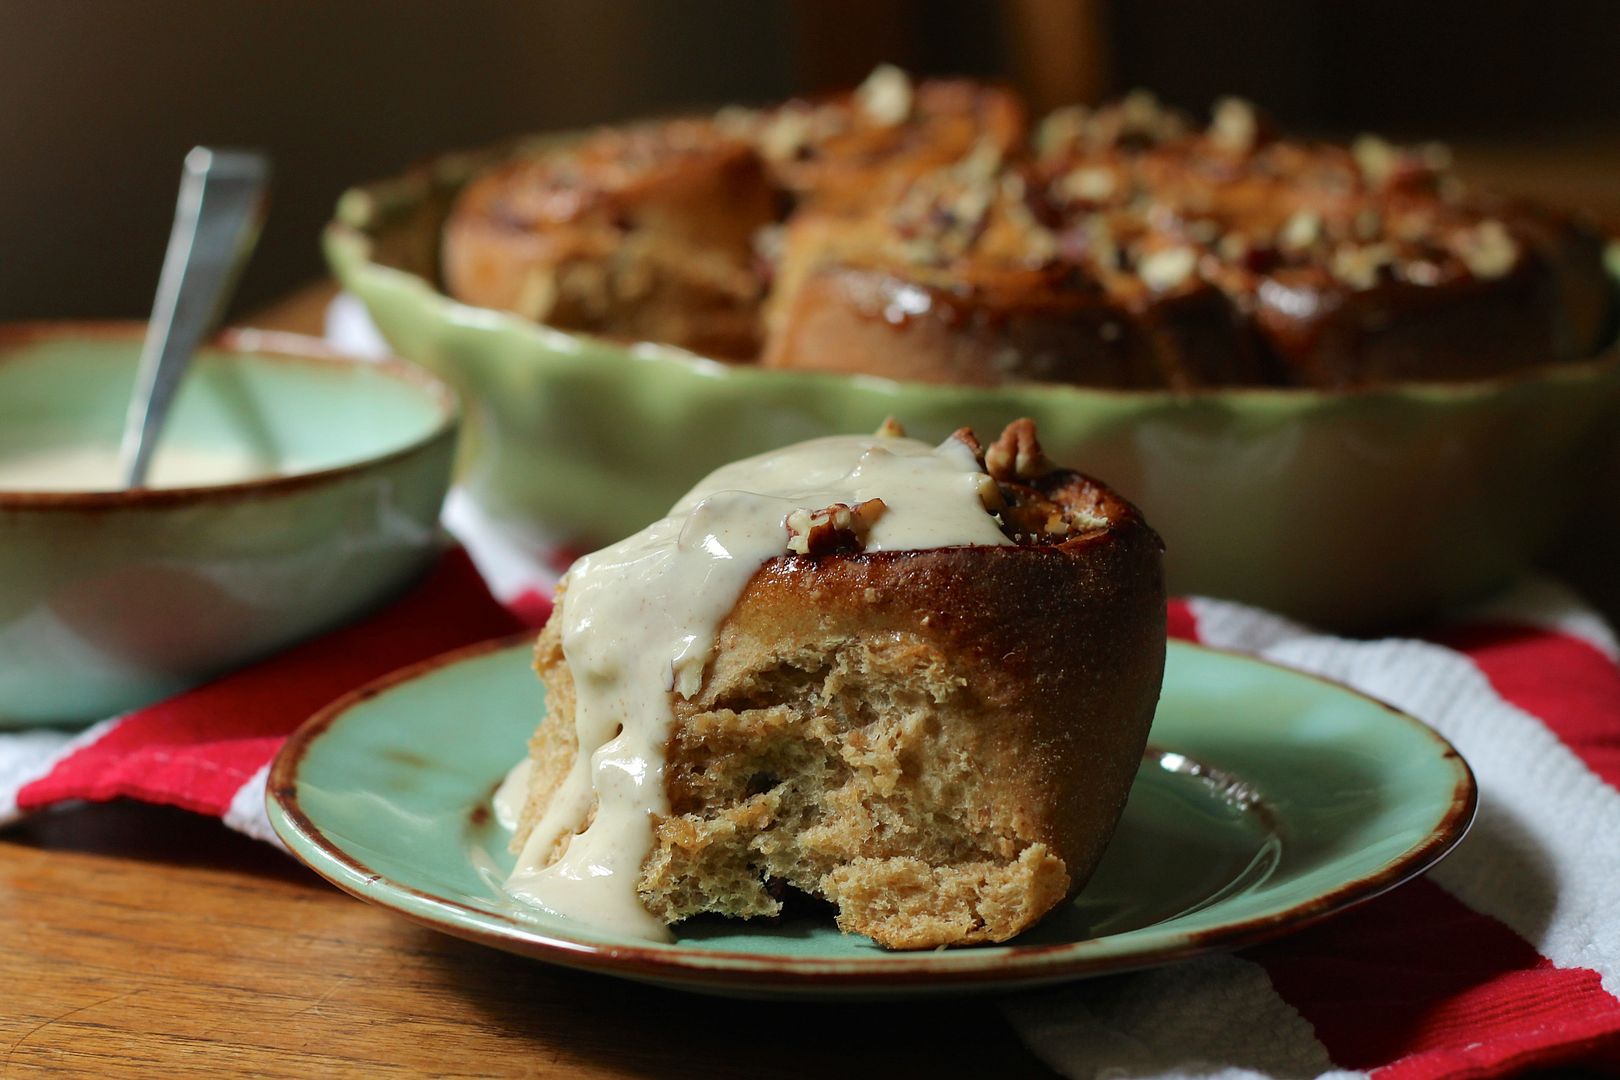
(103, 97)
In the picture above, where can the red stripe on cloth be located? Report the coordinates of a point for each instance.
(532, 606)
(1584, 1040)
(1561, 680)
(1420, 983)
(1180, 622)
(197, 749)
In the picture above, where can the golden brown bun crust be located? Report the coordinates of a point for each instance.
(1327, 335)
(860, 159)
(1140, 251)
(1360, 265)
(938, 742)
(1016, 325)
(642, 234)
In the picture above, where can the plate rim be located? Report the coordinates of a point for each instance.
(1013, 964)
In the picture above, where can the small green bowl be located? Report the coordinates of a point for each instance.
(113, 599)
(1350, 510)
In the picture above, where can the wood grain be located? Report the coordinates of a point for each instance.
(143, 941)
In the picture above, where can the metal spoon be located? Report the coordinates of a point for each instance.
(216, 223)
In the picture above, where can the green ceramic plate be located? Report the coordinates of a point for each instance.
(1268, 799)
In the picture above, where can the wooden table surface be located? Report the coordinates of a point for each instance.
(142, 941)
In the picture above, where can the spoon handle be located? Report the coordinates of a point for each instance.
(216, 222)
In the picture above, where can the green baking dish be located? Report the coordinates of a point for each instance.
(1351, 510)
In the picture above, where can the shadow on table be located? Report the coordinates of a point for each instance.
(164, 835)
(631, 1029)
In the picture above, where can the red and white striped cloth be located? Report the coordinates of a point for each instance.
(1507, 955)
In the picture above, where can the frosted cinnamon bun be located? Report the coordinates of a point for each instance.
(914, 682)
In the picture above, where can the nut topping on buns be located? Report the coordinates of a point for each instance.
(914, 230)
(1017, 455)
(886, 96)
(838, 529)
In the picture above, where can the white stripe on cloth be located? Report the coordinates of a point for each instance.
(247, 814)
(25, 756)
(348, 327)
(1214, 1018)
(509, 563)
(1544, 853)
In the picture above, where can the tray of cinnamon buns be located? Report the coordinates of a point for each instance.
(1341, 382)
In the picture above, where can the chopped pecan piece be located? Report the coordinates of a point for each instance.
(886, 96)
(1488, 249)
(1235, 127)
(990, 493)
(1017, 454)
(839, 529)
(965, 436)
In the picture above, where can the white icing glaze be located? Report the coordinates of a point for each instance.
(640, 620)
(511, 795)
(96, 468)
